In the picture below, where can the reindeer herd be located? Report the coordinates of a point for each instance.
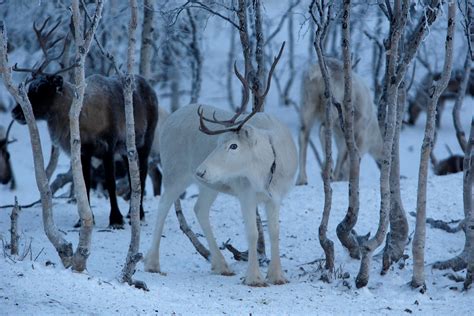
(249, 155)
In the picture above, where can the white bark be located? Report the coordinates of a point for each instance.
(128, 82)
(418, 278)
(345, 227)
(63, 247)
(146, 51)
(83, 43)
(327, 244)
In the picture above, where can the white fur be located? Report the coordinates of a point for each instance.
(367, 133)
(244, 173)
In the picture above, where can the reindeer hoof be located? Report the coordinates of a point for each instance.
(255, 282)
(277, 280)
(301, 182)
(117, 226)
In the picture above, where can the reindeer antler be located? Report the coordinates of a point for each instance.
(6, 141)
(232, 125)
(46, 45)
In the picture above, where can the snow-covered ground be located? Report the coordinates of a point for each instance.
(34, 285)
(38, 284)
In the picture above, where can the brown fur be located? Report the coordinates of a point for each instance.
(418, 103)
(102, 122)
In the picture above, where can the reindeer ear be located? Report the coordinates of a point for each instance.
(248, 132)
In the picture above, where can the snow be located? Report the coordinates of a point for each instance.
(38, 284)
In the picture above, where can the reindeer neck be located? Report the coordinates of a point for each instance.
(58, 120)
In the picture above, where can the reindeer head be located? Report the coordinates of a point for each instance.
(42, 86)
(6, 174)
(240, 146)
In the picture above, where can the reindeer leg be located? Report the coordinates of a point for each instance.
(201, 208)
(275, 274)
(115, 217)
(171, 194)
(143, 154)
(86, 157)
(303, 140)
(248, 204)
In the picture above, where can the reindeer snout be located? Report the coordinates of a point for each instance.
(200, 173)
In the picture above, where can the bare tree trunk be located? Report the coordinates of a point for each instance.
(146, 51)
(196, 79)
(80, 192)
(14, 237)
(398, 235)
(183, 225)
(418, 278)
(321, 28)
(63, 247)
(466, 257)
(468, 208)
(53, 161)
(174, 85)
(128, 82)
(345, 227)
(460, 98)
(368, 246)
(230, 71)
(259, 51)
(244, 40)
(291, 63)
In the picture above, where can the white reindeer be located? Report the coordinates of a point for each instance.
(367, 133)
(253, 159)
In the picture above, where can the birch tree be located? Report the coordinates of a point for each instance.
(418, 249)
(146, 51)
(321, 14)
(128, 82)
(395, 71)
(62, 246)
(345, 227)
(83, 39)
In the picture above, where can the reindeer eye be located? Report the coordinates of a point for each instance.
(233, 146)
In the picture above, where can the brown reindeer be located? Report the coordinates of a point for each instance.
(102, 120)
(417, 104)
(6, 171)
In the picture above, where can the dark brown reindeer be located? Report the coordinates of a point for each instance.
(102, 120)
(417, 104)
(6, 171)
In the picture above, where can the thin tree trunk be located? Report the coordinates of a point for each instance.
(245, 41)
(174, 85)
(230, 70)
(146, 51)
(259, 51)
(128, 82)
(466, 258)
(291, 62)
(368, 246)
(53, 161)
(196, 79)
(460, 98)
(85, 214)
(345, 227)
(183, 225)
(468, 208)
(326, 243)
(398, 235)
(14, 237)
(418, 278)
(63, 247)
